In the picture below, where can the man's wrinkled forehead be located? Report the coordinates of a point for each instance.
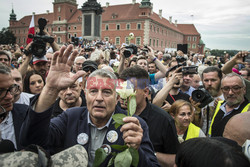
(98, 82)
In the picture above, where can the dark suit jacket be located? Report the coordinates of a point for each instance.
(18, 112)
(62, 132)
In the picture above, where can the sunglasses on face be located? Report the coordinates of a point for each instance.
(87, 69)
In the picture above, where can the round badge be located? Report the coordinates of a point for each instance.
(82, 138)
(106, 148)
(112, 136)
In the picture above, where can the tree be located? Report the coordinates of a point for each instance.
(7, 37)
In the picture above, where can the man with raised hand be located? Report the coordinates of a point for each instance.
(91, 127)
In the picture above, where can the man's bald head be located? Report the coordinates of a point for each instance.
(237, 128)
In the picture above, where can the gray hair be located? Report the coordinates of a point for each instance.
(4, 69)
(79, 58)
(105, 74)
(235, 75)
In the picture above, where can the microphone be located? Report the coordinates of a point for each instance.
(6, 146)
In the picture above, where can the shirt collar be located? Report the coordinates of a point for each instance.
(91, 123)
(7, 119)
(223, 108)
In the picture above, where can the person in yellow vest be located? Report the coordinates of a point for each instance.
(182, 112)
(233, 88)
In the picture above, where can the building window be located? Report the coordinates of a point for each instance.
(151, 27)
(193, 46)
(24, 31)
(117, 40)
(189, 45)
(58, 40)
(154, 29)
(138, 26)
(157, 42)
(189, 38)
(19, 40)
(161, 44)
(127, 41)
(117, 26)
(59, 18)
(69, 28)
(47, 29)
(128, 26)
(106, 38)
(74, 34)
(69, 36)
(106, 27)
(71, 10)
(162, 32)
(138, 40)
(166, 44)
(24, 40)
(154, 42)
(143, 13)
(157, 30)
(194, 38)
(59, 29)
(59, 9)
(150, 42)
(75, 27)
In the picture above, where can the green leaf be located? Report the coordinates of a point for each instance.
(118, 118)
(117, 125)
(135, 156)
(123, 159)
(111, 161)
(132, 105)
(100, 156)
(119, 147)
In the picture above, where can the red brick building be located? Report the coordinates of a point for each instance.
(117, 22)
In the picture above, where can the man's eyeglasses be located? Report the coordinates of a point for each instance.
(234, 88)
(13, 89)
(4, 59)
(87, 69)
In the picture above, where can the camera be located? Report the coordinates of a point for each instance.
(145, 48)
(88, 49)
(180, 59)
(130, 49)
(247, 58)
(201, 95)
(189, 70)
(38, 47)
(75, 41)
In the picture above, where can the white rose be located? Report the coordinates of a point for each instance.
(116, 63)
(131, 35)
(126, 90)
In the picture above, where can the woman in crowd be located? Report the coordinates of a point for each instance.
(33, 82)
(182, 112)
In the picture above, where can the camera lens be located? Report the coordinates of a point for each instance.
(198, 95)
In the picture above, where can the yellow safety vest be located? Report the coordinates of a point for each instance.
(193, 131)
(217, 110)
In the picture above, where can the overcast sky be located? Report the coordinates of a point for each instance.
(223, 24)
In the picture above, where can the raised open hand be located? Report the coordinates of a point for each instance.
(59, 75)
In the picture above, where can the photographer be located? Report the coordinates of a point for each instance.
(170, 92)
(37, 50)
(211, 80)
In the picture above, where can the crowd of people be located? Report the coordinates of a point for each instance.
(191, 109)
